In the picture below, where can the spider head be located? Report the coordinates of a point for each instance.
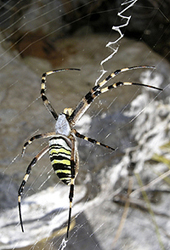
(62, 126)
(68, 111)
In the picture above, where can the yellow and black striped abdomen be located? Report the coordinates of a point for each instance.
(60, 155)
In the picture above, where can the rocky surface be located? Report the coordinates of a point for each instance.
(137, 129)
(43, 22)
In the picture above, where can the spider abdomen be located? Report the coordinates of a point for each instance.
(60, 156)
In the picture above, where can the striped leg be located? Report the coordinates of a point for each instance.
(35, 137)
(43, 88)
(28, 171)
(85, 103)
(73, 176)
(118, 71)
(120, 84)
(91, 140)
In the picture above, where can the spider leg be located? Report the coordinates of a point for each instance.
(26, 176)
(87, 100)
(120, 84)
(118, 71)
(73, 176)
(35, 137)
(91, 140)
(43, 88)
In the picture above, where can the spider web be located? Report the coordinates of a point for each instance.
(37, 36)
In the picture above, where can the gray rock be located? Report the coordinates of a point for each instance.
(112, 120)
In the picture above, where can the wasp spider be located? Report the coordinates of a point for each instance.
(62, 147)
